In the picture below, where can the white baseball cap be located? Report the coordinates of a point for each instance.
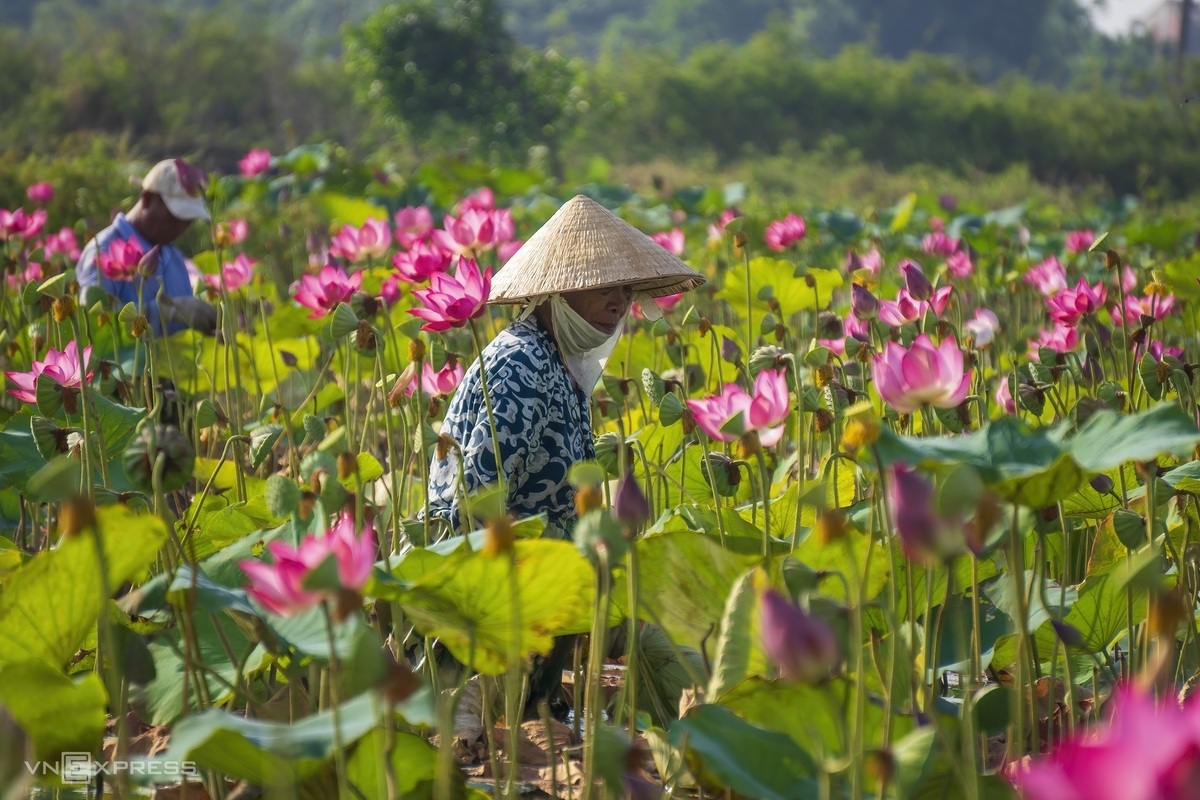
(180, 185)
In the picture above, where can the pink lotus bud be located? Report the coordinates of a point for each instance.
(629, 505)
(802, 644)
(864, 304)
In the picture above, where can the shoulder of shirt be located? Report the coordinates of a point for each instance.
(525, 344)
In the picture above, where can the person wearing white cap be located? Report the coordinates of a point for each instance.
(172, 198)
(575, 278)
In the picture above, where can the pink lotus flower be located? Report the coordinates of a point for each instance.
(783, 233)
(481, 200)
(763, 412)
(279, 587)
(236, 273)
(255, 163)
(18, 280)
(959, 265)
(40, 193)
(1154, 306)
(417, 264)
(62, 242)
(120, 261)
(983, 327)
(940, 299)
(475, 232)
(413, 224)
(666, 303)
(324, 291)
(1061, 338)
(1159, 351)
(672, 241)
(1129, 279)
(19, 224)
(389, 292)
(1003, 396)
(1049, 277)
(902, 310)
(1079, 241)
(801, 644)
(235, 229)
(938, 243)
(858, 328)
(871, 261)
(371, 241)
(443, 381)
(1071, 305)
(451, 301)
(63, 367)
(906, 379)
(508, 250)
(1146, 751)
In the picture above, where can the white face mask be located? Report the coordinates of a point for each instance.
(574, 334)
(584, 349)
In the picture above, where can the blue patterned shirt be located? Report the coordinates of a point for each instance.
(543, 424)
(172, 271)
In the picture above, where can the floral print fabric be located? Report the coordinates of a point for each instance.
(543, 425)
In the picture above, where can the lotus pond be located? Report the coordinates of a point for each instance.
(901, 503)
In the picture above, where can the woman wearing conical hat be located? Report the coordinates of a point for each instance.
(575, 280)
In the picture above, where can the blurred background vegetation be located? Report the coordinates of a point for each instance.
(832, 100)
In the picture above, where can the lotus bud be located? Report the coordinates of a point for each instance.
(864, 304)
(730, 350)
(148, 264)
(924, 533)
(915, 281)
(629, 505)
(801, 644)
(1102, 484)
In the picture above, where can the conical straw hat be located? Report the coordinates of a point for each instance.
(586, 246)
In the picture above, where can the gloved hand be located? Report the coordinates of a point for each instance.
(191, 311)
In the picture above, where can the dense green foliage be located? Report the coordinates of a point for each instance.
(424, 78)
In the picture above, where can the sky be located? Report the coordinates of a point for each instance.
(1116, 15)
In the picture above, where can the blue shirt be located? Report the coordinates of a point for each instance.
(172, 271)
(543, 424)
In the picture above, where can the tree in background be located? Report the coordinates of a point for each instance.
(451, 73)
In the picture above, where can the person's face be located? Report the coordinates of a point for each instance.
(161, 226)
(603, 308)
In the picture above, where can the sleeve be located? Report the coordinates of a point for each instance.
(520, 411)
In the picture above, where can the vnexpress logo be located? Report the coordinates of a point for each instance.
(81, 768)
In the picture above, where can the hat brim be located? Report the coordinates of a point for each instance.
(189, 209)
